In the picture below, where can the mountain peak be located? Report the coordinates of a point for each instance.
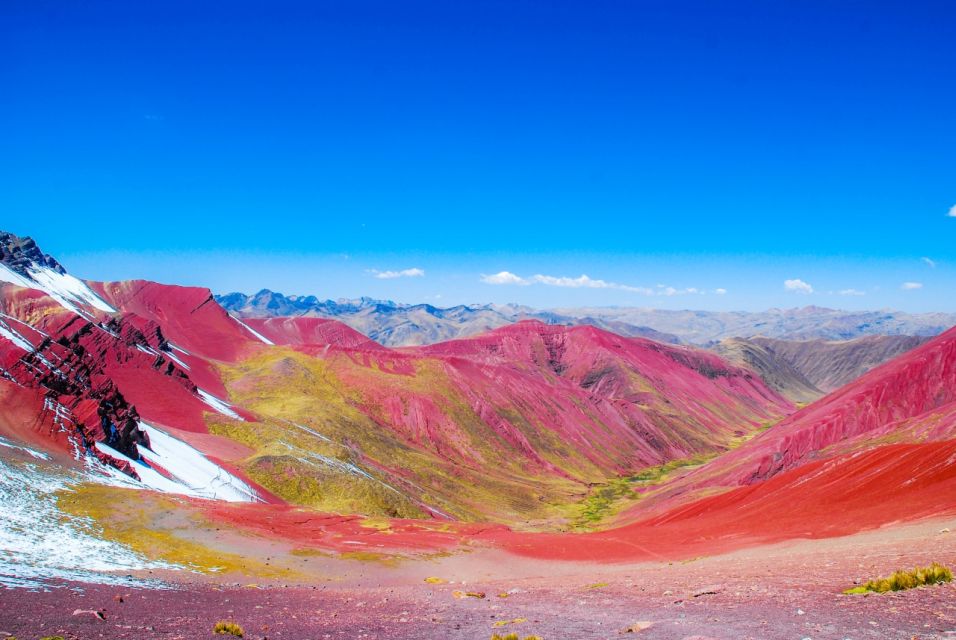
(19, 254)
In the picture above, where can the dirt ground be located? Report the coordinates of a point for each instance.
(790, 590)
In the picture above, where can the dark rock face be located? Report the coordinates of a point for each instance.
(20, 253)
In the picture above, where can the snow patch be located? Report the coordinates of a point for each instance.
(312, 432)
(172, 356)
(39, 544)
(222, 407)
(258, 335)
(67, 290)
(191, 473)
(14, 336)
(33, 452)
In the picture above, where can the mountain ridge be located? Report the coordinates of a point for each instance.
(401, 324)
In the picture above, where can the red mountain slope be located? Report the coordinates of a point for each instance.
(302, 331)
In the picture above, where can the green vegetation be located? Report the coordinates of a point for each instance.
(604, 501)
(228, 628)
(346, 403)
(901, 580)
(610, 498)
(505, 623)
(513, 636)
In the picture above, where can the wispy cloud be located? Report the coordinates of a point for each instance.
(504, 277)
(404, 273)
(665, 290)
(952, 211)
(720, 291)
(797, 285)
(583, 282)
(851, 292)
(911, 286)
(929, 261)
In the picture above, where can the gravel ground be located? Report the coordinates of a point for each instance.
(786, 591)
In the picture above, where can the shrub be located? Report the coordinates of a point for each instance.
(917, 577)
(228, 628)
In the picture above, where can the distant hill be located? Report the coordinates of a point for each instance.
(395, 324)
(779, 373)
(804, 370)
(804, 323)
(401, 325)
(830, 364)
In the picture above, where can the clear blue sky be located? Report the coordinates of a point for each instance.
(302, 145)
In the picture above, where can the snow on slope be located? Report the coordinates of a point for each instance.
(68, 291)
(37, 543)
(190, 472)
(258, 335)
(10, 333)
(217, 404)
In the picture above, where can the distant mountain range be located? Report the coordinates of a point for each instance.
(395, 324)
(401, 325)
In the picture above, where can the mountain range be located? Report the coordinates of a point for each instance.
(396, 324)
(542, 439)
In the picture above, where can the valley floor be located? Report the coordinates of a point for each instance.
(788, 590)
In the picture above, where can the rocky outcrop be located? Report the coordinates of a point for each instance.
(21, 253)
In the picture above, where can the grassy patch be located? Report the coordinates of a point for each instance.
(159, 527)
(505, 623)
(228, 629)
(604, 501)
(513, 636)
(610, 498)
(901, 580)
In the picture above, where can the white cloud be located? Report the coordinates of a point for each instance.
(952, 211)
(504, 277)
(583, 282)
(720, 291)
(911, 286)
(671, 291)
(929, 261)
(852, 292)
(797, 285)
(404, 273)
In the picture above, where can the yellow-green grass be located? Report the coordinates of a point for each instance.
(224, 627)
(513, 636)
(159, 527)
(906, 579)
(289, 386)
(610, 498)
(439, 452)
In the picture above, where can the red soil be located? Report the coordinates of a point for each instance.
(312, 331)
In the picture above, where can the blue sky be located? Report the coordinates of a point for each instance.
(666, 150)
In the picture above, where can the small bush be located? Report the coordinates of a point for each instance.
(917, 577)
(228, 628)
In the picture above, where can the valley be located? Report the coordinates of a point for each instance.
(266, 463)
